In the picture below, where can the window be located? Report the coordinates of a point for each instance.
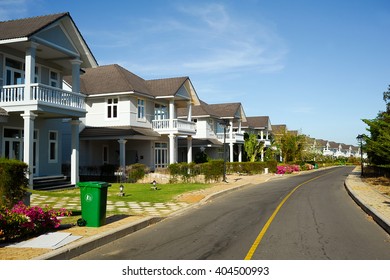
(15, 72)
(141, 108)
(112, 108)
(53, 146)
(160, 155)
(54, 81)
(160, 112)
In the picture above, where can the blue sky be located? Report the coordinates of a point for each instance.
(317, 66)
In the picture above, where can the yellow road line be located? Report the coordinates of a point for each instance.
(256, 244)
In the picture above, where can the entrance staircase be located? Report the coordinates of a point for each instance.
(51, 183)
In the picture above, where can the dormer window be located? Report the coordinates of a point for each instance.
(112, 108)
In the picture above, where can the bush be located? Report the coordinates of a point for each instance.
(186, 171)
(24, 221)
(136, 172)
(212, 170)
(13, 181)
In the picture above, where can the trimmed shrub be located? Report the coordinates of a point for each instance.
(136, 172)
(183, 171)
(13, 181)
(212, 170)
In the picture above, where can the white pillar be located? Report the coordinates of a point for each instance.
(30, 70)
(75, 145)
(28, 144)
(76, 75)
(231, 141)
(239, 152)
(189, 149)
(171, 113)
(122, 154)
(171, 148)
(189, 111)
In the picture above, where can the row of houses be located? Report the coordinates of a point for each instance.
(60, 108)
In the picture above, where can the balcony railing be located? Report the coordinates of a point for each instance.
(236, 137)
(13, 95)
(177, 126)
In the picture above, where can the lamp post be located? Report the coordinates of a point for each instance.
(360, 140)
(224, 123)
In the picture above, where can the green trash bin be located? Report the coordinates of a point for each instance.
(93, 196)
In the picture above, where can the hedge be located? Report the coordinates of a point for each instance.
(13, 181)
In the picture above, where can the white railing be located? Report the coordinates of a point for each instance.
(236, 137)
(12, 93)
(178, 125)
(40, 92)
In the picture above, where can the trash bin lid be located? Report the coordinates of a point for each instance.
(93, 184)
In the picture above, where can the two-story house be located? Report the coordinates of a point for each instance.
(132, 120)
(35, 54)
(260, 126)
(215, 128)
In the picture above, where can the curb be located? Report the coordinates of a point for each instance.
(371, 211)
(70, 251)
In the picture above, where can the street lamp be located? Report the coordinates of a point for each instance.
(360, 140)
(224, 123)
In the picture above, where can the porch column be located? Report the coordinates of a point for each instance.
(122, 156)
(171, 148)
(239, 152)
(28, 144)
(75, 145)
(261, 135)
(189, 111)
(76, 75)
(189, 148)
(30, 70)
(231, 140)
(171, 113)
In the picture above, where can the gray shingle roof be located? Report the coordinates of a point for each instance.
(110, 79)
(257, 122)
(166, 87)
(27, 27)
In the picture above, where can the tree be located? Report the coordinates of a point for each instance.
(378, 143)
(292, 146)
(253, 147)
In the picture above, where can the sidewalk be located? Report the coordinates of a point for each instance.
(374, 203)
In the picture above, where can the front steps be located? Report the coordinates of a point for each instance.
(50, 183)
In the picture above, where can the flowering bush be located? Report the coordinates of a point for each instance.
(22, 220)
(283, 169)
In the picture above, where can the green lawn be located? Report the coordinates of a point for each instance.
(135, 192)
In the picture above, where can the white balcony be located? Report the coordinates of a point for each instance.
(237, 137)
(175, 126)
(13, 98)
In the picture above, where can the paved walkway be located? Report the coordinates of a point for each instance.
(138, 215)
(129, 208)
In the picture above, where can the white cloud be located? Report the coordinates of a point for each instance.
(195, 39)
(11, 9)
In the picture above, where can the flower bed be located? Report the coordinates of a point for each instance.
(24, 221)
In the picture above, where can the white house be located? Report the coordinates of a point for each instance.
(35, 54)
(132, 120)
(260, 126)
(215, 126)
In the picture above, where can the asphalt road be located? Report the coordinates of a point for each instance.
(305, 217)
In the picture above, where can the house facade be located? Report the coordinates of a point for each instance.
(132, 120)
(260, 126)
(216, 134)
(35, 54)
